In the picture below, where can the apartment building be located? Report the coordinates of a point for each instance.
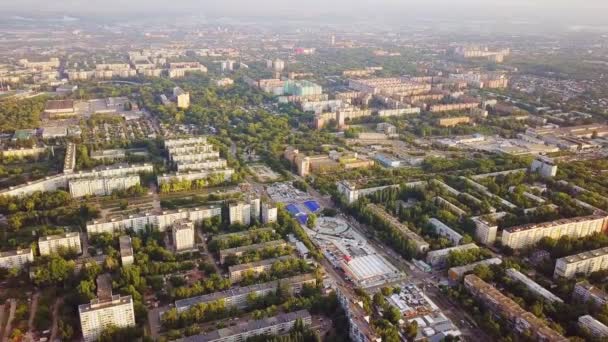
(239, 213)
(522, 321)
(181, 97)
(54, 243)
(237, 297)
(239, 251)
(453, 121)
(69, 163)
(18, 258)
(420, 244)
(455, 274)
(160, 220)
(183, 235)
(439, 258)
(199, 140)
(103, 313)
(529, 234)
(594, 327)
(546, 167)
(209, 164)
(584, 292)
(533, 286)
(445, 231)
(269, 213)
(226, 174)
(105, 186)
(352, 192)
(277, 325)
(582, 263)
(126, 250)
(236, 272)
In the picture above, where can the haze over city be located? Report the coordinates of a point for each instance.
(278, 171)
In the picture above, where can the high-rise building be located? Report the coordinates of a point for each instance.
(240, 213)
(102, 313)
(546, 167)
(183, 235)
(269, 213)
(54, 243)
(255, 204)
(126, 250)
(181, 97)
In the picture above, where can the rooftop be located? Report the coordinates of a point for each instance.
(600, 252)
(554, 223)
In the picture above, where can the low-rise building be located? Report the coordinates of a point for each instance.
(584, 292)
(277, 325)
(237, 297)
(583, 263)
(439, 258)
(420, 244)
(445, 231)
(54, 243)
(593, 327)
(455, 274)
(239, 251)
(522, 321)
(533, 286)
(236, 272)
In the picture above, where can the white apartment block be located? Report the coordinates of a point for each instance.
(16, 258)
(183, 235)
(533, 286)
(181, 97)
(438, 258)
(101, 186)
(445, 231)
(269, 213)
(185, 141)
(582, 263)
(256, 206)
(202, 165)
(544, 166)
(584, 292)
(53, 243)
(194, 175)
(240, 213)
(236, 272)
(195, 156)
(529, 234)
(595, 328)
(101, 314)
(158, 220)
(126, 250)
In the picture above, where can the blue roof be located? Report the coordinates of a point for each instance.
(293, 209)
(312, 206)
(302, 218)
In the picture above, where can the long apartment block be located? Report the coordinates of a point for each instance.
(529, 234)
(236, 272)
(522, 321)
(160, 220)
(583, 263)
(53, 243)
(239, 251)
(237, 297)
(277, 325)
(421, 245)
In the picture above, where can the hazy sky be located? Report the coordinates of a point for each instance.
(569, 10)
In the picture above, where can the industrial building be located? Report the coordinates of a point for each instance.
(522, 321)
(583, 263)
(54, 243)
